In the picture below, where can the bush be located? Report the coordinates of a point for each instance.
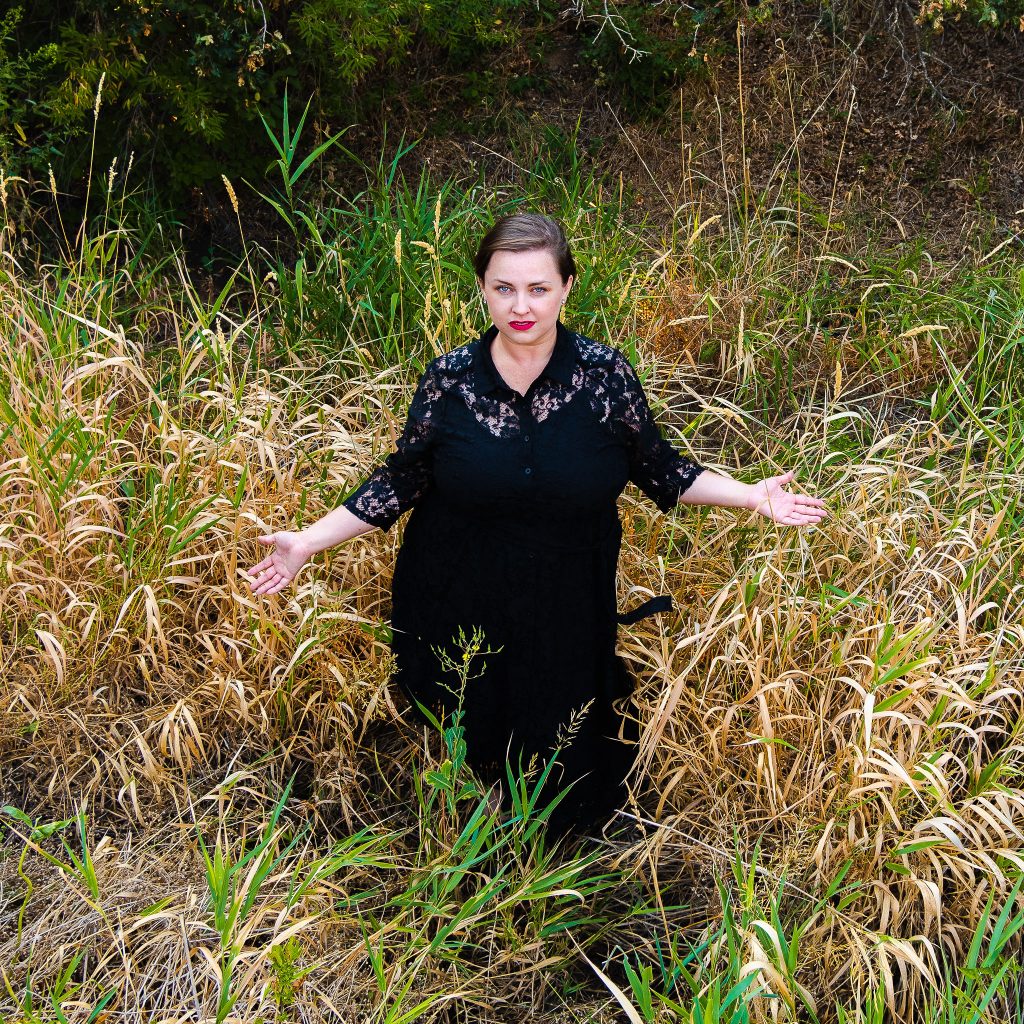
(183, 81)
(990, 13)
(21, 75)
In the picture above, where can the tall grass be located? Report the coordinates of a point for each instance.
(831, 764)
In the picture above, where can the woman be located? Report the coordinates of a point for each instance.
(516, 447)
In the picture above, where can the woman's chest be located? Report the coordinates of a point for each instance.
(546, 452)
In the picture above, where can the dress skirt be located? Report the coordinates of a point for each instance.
(543, 596)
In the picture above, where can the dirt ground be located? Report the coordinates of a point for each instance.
(907, 135)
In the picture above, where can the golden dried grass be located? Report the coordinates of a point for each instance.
(845, 701)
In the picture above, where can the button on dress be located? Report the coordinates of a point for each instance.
(515, 532)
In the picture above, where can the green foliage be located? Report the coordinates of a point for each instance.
(287, 975)
(21, 73)
(182, 83)
(79, 866)
(348, 39)
(391, 266)
(287, 156)
(642, 47)
(990, 13)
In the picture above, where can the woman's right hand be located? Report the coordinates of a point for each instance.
(280, 567)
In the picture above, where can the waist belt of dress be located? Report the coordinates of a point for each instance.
(653, 605)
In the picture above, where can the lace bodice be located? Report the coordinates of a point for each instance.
(462, 408)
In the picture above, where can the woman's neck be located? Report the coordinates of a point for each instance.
(526, 353)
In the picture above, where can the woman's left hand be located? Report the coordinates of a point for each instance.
(781, 506)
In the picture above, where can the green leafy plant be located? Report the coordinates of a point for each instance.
(233, 886)
(79, 865)
(287, 975)
(989, 13)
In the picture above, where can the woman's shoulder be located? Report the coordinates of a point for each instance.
(596, 353)
(453, 364)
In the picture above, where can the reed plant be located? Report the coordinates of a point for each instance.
(829, 780)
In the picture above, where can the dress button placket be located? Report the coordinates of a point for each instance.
(525, 419)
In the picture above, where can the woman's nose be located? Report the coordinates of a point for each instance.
(520, 304)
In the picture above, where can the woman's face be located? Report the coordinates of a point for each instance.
(524, 293)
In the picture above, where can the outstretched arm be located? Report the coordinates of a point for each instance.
(390, 490)
(670, 479)
(292, 550)
(767, 497)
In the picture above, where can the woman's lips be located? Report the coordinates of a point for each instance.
(521, 325)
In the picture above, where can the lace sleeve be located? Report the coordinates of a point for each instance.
(407, 473)
(654, 464)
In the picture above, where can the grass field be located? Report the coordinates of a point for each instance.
(214, 810)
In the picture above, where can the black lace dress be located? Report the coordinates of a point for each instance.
(515, 532)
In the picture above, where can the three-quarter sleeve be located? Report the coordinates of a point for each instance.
(407, 473)
(654, 464)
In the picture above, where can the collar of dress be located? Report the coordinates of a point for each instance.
(559, 366)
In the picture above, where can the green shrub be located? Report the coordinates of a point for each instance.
(990, 13)
(21, 74)
(183, 81)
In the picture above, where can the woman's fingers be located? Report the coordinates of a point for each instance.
(803, 519)
(273, 573)
(261, 587)
(795, 515)
(265, 564)
(807, 506)
(268, 585)
(278, 583)
(258, 572)
(806, 499)
(791, 509)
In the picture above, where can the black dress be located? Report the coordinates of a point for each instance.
(515, 532)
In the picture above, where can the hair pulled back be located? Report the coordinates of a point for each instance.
(525, 232)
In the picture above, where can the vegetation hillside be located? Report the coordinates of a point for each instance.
(213, 806)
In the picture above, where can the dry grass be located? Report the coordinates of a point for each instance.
(832, 718)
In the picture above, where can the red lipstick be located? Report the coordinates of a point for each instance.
(521, 325)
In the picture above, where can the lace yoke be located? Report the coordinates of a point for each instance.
(465, 382)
